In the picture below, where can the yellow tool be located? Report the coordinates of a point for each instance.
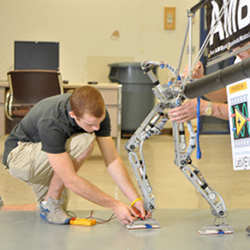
(82, 222)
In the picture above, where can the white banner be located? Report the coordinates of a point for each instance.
(238, 95)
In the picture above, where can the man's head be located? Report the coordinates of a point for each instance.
(88, 108)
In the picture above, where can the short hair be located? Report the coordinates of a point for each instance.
(87, 99)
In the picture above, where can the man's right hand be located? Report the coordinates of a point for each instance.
(124, 214)
(185, 112)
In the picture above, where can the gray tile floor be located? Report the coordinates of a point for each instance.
(181, 211)
(24, 230)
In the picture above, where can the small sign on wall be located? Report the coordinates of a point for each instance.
(169, 18)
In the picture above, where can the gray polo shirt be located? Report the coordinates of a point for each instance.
(49, 122)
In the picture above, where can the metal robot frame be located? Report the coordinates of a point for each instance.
(169, 96)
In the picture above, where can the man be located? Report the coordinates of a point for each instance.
(215, 107)
(51, 142)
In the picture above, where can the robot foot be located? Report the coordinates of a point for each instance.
(221, 229)
(143, 224)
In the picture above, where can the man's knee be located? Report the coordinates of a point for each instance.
(81, 158)
(78, 144)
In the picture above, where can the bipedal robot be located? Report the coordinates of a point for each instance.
(169, 96)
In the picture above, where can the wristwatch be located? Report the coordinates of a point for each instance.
(208, 110)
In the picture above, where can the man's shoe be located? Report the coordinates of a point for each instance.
(52, 212)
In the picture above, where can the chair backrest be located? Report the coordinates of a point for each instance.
(30, 86)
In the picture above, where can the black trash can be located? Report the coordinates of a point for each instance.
(137, 95)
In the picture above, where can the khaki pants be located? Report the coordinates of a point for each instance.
(30, 164)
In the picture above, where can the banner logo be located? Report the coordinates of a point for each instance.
(238, 98)
(230, 29)
(239, 115)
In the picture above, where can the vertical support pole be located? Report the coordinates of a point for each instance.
(190, 20)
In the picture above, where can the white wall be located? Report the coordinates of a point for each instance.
(84, 29)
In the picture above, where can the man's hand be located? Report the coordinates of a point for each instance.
(124, 214)
(185, 112)
(127, 215)
(138, 207)
(197, 72)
